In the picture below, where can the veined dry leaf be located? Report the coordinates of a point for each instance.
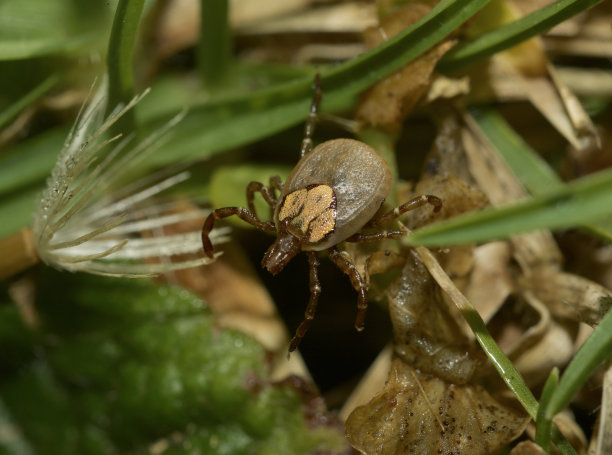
(390, 100)
(430, 403)
(421, 413)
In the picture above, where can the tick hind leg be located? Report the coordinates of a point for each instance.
(412, 204)
(315, 291)
(313, 117)
(345, 264)
(224, 212)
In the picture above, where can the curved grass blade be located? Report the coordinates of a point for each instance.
(582, 201)
(513, 33)
(544, 425)
(37, 28)
(595, 350)
(223, 124)
(526, 163)
(29, 98)
(120, 59)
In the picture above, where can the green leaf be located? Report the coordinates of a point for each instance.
(228, 187)
(124, 364)
(582, 201)
(36, 28)
(513, 33)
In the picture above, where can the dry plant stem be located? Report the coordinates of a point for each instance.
(18, 253)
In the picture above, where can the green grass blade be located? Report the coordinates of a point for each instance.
(223, 124)
(215, 46)
(36, 28)
(581, 201)
(544, 425)
(526, 164)
(513, 33)
(15, 109)
(596, 349)
(120, 59)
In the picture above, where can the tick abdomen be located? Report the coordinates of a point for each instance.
(358, 175)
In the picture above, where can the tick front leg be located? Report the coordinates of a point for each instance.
(267, 193)
(315, 291)
(412, 204)
(345, 264)
(224, 212)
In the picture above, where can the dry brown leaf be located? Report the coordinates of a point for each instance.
(430, 404)
(421, 413)
(388, 102)
(527, 448)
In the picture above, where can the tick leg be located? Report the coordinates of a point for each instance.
(266, 192)
(375, 236)
(345, 264)
(224, 212)
(312, 117)
(412, 204)
(275, 185)
(315, 291)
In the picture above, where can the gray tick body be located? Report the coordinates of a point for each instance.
(333, 193)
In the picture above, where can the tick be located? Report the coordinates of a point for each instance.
(331, 196)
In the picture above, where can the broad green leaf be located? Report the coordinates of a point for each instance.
(16, 209)
(228, 187)
(123, 364)
(30, 161)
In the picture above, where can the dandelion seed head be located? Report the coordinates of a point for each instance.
(87, 221)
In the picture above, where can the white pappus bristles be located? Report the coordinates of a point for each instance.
(87, 222)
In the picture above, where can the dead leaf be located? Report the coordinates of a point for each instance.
(388, 102)
(421, 413)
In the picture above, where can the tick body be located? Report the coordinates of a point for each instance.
(332, 194)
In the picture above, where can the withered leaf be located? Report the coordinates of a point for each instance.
(419, 413)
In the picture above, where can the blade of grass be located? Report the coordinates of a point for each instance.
(506, 369)
(596, 349)
(37, 28)
(513, 33)
(527, 165)
(227, 123)
(544, 425)
(13, 110)
(581, 201)
(214, 49)
(120, 59)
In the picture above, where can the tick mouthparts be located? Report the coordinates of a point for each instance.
(281, 252)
